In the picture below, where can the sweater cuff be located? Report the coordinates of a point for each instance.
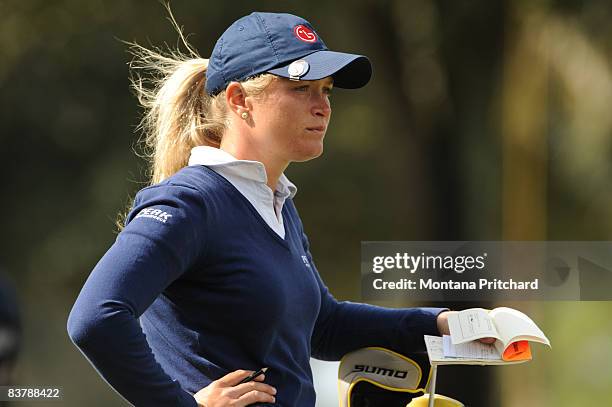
(186, 399)
(431, 317)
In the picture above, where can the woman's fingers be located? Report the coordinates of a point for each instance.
(255, 397)
(233, 378)
(244, 388)
(228, 391)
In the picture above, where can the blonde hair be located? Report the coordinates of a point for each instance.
(178, 113)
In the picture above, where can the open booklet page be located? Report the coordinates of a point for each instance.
(471, 324)
(469, 350)
(435, 351)
(513, 325)
(507, 325)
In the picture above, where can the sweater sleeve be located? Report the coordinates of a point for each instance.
(344, 326)
(160, 242)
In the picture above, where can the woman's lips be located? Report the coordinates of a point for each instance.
(319, 129)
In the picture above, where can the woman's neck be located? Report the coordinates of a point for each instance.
(241, 151)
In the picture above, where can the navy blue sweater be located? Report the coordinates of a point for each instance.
(215, 290)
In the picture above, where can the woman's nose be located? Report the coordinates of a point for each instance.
(321, 106)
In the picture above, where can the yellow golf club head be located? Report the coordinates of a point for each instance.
(439, 401)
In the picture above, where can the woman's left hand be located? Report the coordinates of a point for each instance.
(443, 328)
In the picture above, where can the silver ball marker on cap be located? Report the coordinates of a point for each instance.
(297, 69)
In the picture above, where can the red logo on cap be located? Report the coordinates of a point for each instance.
(304, 33)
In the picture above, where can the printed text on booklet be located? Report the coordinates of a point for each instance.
(512, 330)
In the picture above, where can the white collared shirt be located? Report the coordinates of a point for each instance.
(250, 179)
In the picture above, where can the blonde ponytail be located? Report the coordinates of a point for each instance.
(178, 113)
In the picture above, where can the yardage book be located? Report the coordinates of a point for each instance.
(512, 329)
(435, 351)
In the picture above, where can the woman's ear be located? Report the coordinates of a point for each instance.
(235, 97)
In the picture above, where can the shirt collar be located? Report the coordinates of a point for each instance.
(252, 170)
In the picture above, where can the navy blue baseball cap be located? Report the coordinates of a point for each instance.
(283, 45)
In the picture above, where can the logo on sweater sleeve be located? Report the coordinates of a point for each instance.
(305, 260)
(152, 213)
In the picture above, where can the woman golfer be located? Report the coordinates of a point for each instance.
(212, 278)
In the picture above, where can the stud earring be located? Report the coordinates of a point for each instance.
(244, 115)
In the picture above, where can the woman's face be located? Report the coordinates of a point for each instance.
(290, 118)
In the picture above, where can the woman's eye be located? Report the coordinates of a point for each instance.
(302, 88)
(327, 91)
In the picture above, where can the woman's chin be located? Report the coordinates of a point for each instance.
(309, 154)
